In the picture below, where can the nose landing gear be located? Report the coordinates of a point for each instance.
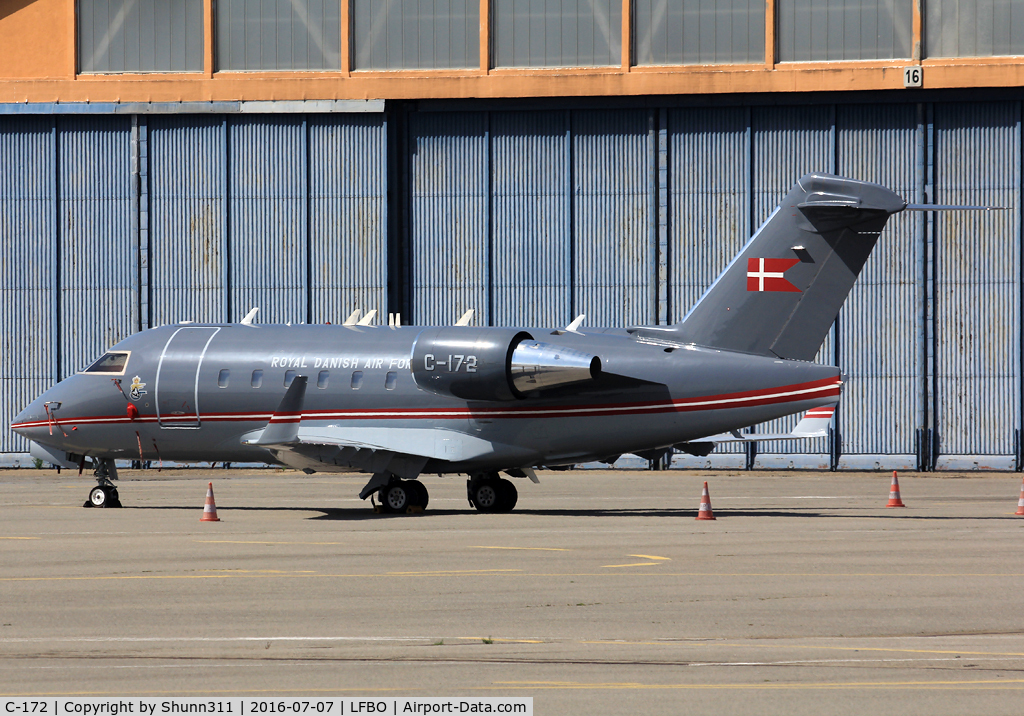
(105, 492)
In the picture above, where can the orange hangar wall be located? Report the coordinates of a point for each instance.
(37, 39)
(201, 50)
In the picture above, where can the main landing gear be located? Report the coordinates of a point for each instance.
(489, 493)
(403, 496)
(105, 492)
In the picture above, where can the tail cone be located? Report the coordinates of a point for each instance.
(705, 512)
(894, 493)
(210, 509)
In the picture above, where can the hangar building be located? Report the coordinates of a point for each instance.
(167, 160)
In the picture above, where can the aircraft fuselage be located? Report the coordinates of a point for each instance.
(193, 392)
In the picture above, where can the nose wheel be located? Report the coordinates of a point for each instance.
(105, 493)
(103, 496)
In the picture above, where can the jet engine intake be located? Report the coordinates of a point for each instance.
(495, 363)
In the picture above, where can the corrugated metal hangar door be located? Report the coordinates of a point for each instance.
(110, 224)
(113, 223)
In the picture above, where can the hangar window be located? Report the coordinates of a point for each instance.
(973, 28)
(257, 378)
(416, 34)
(557, 33)
(140, 36)
(222, 379)
(322, 378)
(698, 32)
(110, 363)
(810, 30)
(391, 380)
(289, 376)
(278, 34)
(357, 379)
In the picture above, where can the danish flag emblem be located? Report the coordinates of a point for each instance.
(769, 275)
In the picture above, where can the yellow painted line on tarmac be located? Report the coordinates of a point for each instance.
(651, 556)
(19, 538)
(536, 549)
(1015, 684)
(634, 564)
(253, 541)
(449, 571)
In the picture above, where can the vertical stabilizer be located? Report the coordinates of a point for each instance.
(781, 294)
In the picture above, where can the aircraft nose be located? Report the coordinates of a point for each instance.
(35, 420)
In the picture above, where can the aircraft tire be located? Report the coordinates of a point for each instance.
(487, 496)
(420, 495)
(396, 497)
(100, 497)
(509, 495)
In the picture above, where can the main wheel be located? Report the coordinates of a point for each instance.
(396, 496)
(420, 495)
(509, 495)
(487, 496)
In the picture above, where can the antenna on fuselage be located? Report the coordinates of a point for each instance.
(353, 318)
(247, 321)
(368, 318)
(466, 318)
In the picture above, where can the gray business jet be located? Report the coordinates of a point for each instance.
(398, 402)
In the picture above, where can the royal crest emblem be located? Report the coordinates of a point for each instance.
(136, 390)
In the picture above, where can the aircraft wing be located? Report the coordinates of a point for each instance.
(814, 424)
(383, 451)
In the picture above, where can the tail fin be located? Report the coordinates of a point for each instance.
(781, 294)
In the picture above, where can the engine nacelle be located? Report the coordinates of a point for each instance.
(538, 366)
(494, 363)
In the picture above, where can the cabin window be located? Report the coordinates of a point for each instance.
(111, 363)
(289, 376)
(257, 378)
(322, 378)
(222, 379)
(357, 379)
(391, 380)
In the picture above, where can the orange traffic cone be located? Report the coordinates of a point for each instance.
(1020, 502)
(894, 493)
(210, 509)
(705, 512)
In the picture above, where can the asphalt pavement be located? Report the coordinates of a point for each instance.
(599, 594)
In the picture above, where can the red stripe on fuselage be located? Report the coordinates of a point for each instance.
(824, 388)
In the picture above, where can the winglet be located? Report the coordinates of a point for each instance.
(353, 317)
(466, 318)
(283, 427)
(368, 318)
(815, 422)
(250, 316)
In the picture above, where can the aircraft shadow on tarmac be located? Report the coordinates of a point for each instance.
(364, 513)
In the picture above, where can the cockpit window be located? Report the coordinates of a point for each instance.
(111, 364)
